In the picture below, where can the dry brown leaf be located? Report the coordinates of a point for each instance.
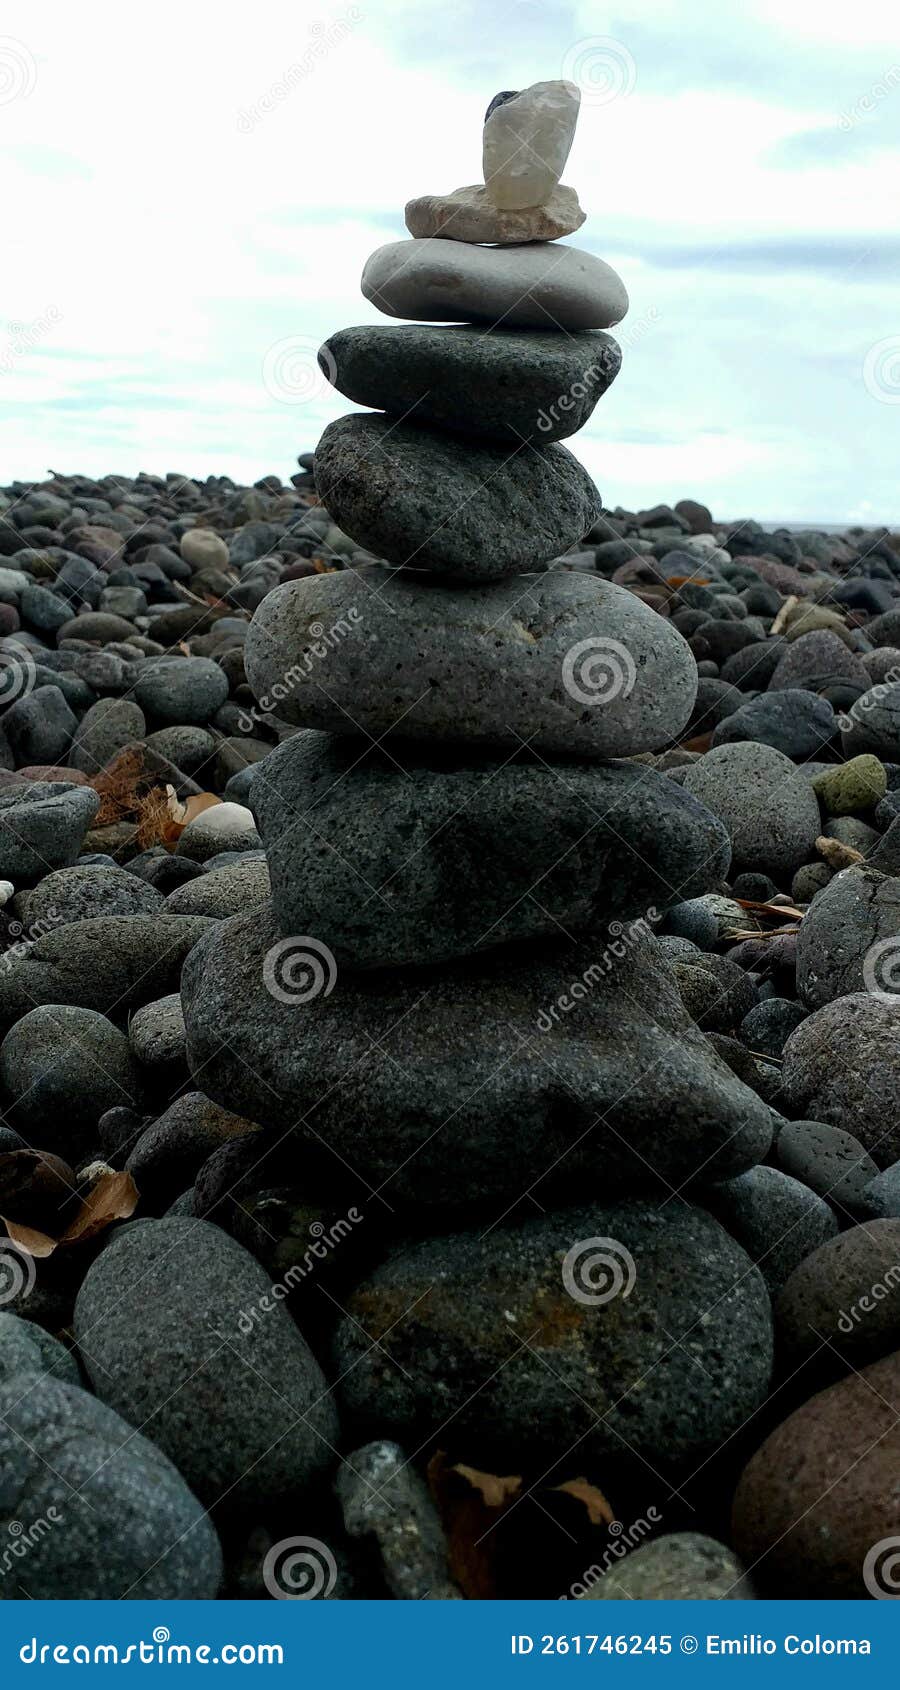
(770, 909)
(496, 1492)
(600, 1512)
(27, 1238)
(113, 1198)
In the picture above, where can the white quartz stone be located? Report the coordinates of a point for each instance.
(526, 143)
(469, 215)
(541, 285)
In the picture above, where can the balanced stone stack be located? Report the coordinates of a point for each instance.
(455, 1002)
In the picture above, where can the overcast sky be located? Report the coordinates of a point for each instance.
(190, 191)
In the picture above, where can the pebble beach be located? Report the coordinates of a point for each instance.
(449, 989)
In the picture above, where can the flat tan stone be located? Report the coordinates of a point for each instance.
(467, 214)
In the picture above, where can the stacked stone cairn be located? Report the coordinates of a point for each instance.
(453, 1023)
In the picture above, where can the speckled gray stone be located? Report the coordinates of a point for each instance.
(681, 1567)
(104, 731)
(506, 385)
(470, 510)
(485, 665)
(767, 805)
(843, 1066)
(471, 1079)
(492, 1352)
(384, 1499)
(246, 1414)
(849, 939)
(61, 1068)
(42, 825)
(81, 893)
(181, 689)
(111, 963)
(439, 857)
(106, 1514)
(223, 891)
(777, 1220)
(874, 723)
(27, 1348)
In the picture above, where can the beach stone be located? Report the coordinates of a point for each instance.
(776, 1219)
(849, 939)
(61, 1068)
(81, 893)
(873, 723)
(680, 1567)
(109, 963)
(203, 549)
(181, 689)
(246, 1414)
(768, 1025)
(521, 287)
(438, 1130)
(488, 665)
(813, 660)
(469, 214)
(506, 385)
(881, 1196)
(40, 726)
(42, 826)
(840, 1308)
(385, 1503)
(105, 730)
(503, 1340)
(187, 746)
(527, 138)
(120, 1520)
(827, 1159)
(223, 827)
(26, 1348)
(434, 859)
(820, 1495)
(859, 784)
(796, 723)
(172, 1149)
(767, 805)
(429, 500)
(843, 1066)
(223, 891)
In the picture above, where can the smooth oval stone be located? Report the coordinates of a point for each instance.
(468, 214)
(119, 1520)
(849, 939)
(486, 665)
(493, 1351)
(508, 386)
(840, 1308)
(432, 501)
(820, 1495)
(436, 858)
(469, 1080)
(873, 723)
(842, 1066)
(520, 287)
(245, 1413)
(680, 1567)
(766, 803)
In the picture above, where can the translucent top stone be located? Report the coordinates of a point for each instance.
(527, 140)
